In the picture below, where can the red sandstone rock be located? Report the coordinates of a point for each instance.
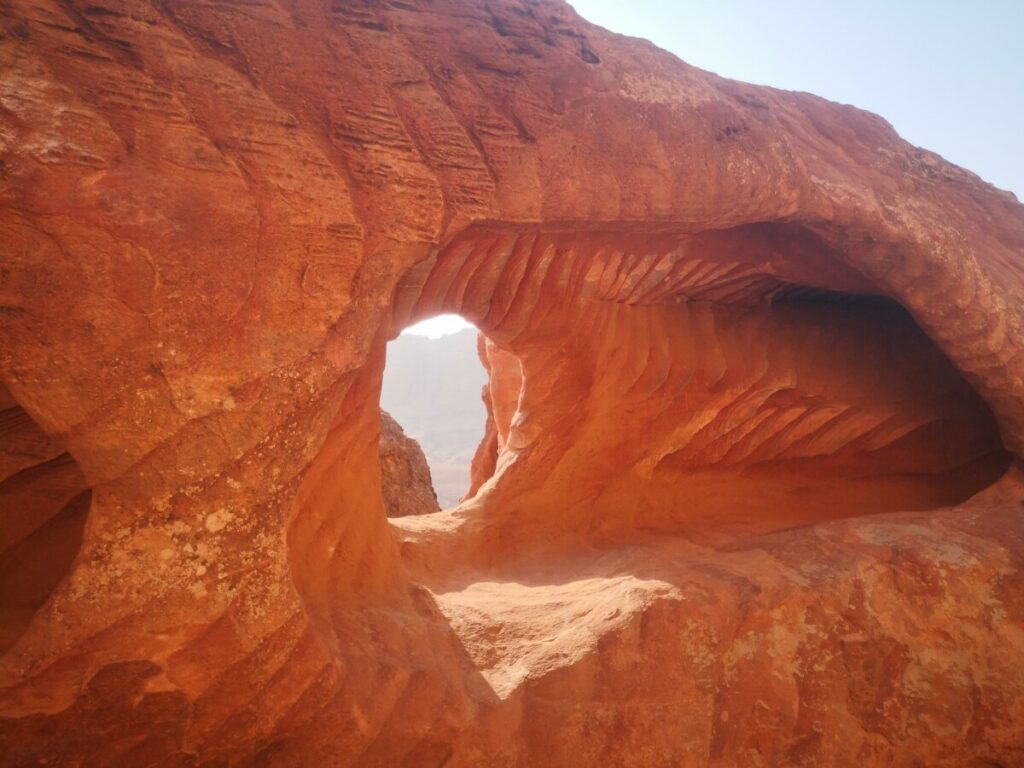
(501, 398)
(405, 476)
(767, 355)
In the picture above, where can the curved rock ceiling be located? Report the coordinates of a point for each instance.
(750, 492)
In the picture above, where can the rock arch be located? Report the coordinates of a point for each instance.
(213, 221)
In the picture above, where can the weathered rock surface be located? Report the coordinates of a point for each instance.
(752, 492)
(404, 475)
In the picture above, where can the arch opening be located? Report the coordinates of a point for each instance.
(436, 416)
(741, 379)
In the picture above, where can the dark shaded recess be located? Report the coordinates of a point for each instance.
(44, 503)
(31, 569)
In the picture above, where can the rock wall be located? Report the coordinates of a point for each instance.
(404, 475)
(501, 398)
(755, 497)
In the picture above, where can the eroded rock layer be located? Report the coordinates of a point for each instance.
(750, 492)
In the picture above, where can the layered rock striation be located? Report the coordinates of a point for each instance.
(751, 490)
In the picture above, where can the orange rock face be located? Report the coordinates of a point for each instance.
(404, 475)
(501, 398)
(750, 492)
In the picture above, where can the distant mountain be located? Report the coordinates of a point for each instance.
(432, 388)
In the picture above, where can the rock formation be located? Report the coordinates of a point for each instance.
(752, 492)
(501, 398)
(404, 474)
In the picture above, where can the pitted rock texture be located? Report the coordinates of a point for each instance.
(750, 492)
(404, 475)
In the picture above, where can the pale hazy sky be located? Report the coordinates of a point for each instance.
(948, 74)
(437, 327)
